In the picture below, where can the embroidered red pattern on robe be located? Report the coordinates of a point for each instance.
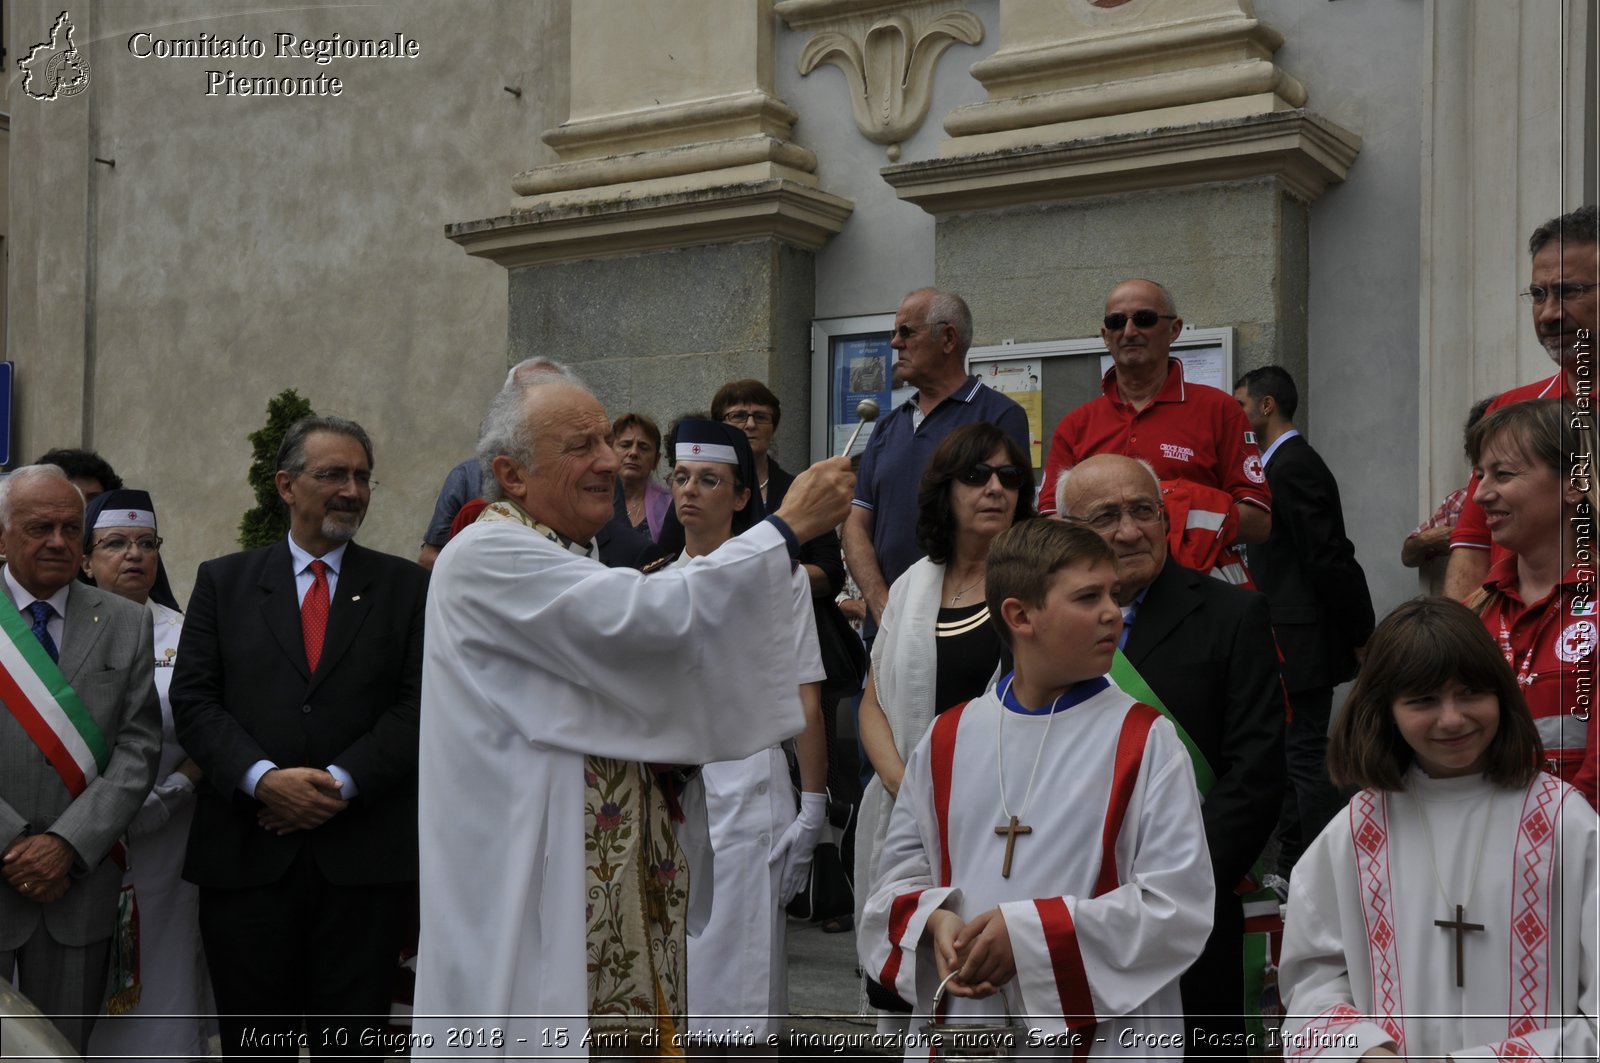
(1530, 907)
(1369, 830)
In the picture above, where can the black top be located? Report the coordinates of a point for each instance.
(967, 648)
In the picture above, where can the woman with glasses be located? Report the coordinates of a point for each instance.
(122, 554)
(1534, 485)
(737, 963)
(751, 407)
(641, 500)
(936, 647)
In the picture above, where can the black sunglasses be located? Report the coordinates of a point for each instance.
(978, 476)
(1143, 318)
(905, 332)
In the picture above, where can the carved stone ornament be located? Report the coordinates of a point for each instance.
(887, 57)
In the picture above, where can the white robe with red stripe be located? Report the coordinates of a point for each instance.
(1109, 898)
(1364, 965)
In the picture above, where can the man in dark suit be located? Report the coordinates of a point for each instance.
(297, 691)
(1321, 611)
(61, 815)
(1205, 648)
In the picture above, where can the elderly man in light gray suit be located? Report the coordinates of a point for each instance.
(80, 734)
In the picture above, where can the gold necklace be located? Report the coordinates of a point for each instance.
(956, 598)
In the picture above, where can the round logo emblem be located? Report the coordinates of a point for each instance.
(1576, 641)
(1252, 470)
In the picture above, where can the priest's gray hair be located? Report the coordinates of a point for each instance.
(25, 473)
(504, 429)
(1061, 485)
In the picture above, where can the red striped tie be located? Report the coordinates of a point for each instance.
(314, 613)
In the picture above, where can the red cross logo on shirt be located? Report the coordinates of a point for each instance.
(1577, 641)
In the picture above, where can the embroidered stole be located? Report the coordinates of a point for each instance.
(1532, 865)
(43, 703)
(636, 890)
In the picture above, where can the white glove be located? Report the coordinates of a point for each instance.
(794, 850)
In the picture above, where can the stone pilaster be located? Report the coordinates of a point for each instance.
(678, 187)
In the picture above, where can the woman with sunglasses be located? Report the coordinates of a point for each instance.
(122, 554)
(935, 647)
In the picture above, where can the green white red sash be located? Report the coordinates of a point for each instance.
(1263, 921)
(38, 696)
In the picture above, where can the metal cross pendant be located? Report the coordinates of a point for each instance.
(1011, 830)
(1459, 925)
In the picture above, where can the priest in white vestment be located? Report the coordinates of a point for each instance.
(1054, 824)
(549, 678)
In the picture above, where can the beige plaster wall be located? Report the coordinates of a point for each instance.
(240, 246)
(675, 51)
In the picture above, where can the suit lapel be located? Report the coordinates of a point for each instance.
(280, 605)
(351, 603)
(82, 628)
(1165, 605)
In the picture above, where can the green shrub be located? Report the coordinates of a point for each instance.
(267, 523)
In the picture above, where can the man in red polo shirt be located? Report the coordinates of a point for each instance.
(1188, 432)
(1566, 306)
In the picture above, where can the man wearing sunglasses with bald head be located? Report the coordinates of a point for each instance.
(1147, 410)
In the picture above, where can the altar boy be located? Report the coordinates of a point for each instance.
(1047, 840)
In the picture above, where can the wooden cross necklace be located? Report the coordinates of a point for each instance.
(1013, 825)
(1459, 924)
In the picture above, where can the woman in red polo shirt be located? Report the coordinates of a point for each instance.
(1539, 602)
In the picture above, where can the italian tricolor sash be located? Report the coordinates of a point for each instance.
(1263, 925)
(38, 697)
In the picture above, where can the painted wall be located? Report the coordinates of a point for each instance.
(886, 248)
(1360, 61)
(240, 246)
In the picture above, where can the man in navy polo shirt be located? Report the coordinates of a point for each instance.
(932, 331)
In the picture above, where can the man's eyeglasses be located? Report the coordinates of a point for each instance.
(337, 475)
(978, 476)
(1142, 318)
(905, 332)
(1104, 520)
(1561, 292)
(707, 482)
(118, 544)
(738, 417)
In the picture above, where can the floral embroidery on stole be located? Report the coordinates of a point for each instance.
(636, 889)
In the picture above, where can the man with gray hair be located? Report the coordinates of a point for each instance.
(932, 332)
(1564, 295)
(80, 735)
(464, 483)
(555, 881)
(296, 690)
(619, 544)
(1205, 649)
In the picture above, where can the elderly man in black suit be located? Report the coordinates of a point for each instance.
(1321, 610)
(1206, 650)
(297, 691)
(69, 783)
